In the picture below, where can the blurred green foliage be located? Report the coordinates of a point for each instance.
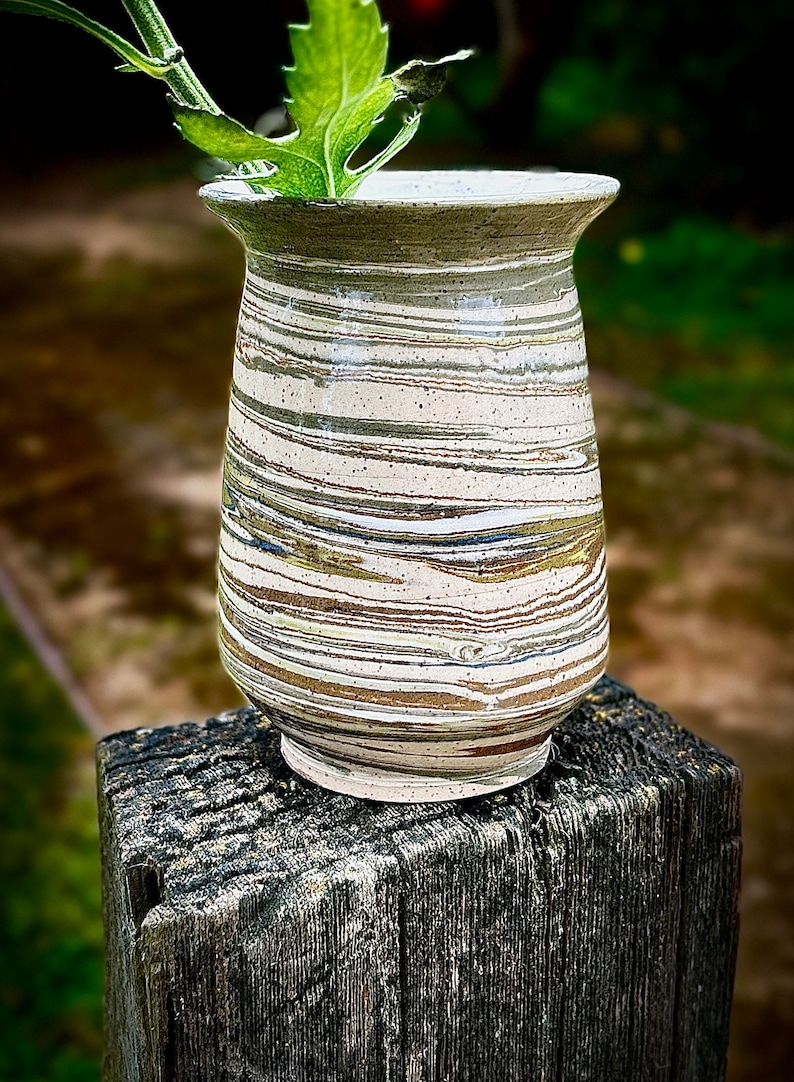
(699, 312)
(50, 913)
(679, 98)
(701, 279)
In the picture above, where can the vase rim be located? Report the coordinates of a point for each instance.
(442, 187)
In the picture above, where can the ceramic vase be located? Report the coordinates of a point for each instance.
(411, 573)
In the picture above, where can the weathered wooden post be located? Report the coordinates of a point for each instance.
(581, 927)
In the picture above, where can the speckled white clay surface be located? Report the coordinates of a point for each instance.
(393, 787)
(412, 576)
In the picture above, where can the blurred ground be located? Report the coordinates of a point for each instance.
(117, 329)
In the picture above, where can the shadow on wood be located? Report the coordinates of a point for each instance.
(580, 927)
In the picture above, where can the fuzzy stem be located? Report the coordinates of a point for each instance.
(181, 79)
(158, 39)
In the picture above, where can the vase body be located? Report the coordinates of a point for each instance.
(411, 572)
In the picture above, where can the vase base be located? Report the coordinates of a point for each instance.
(396, 787)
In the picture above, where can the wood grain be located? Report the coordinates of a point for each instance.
(581, 926)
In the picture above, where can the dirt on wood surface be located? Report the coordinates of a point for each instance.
(117, 312)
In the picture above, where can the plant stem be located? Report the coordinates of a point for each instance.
(182, 81)
(158, 39)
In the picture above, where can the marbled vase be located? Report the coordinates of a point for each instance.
(412, 581)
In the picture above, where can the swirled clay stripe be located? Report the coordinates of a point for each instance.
(275, 486)
(576, 604)
(378, 711)
(259, 570)
(454, 650)
(346, 544)
(358, 342)
(372, 696)
(459, 758)
(511, 314)
(403, 652)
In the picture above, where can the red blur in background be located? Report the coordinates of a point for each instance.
(427, 9)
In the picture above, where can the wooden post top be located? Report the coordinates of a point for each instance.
(211, 808)
(577, 928)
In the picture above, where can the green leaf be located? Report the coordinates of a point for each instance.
(278, 161)
(134, 59)
(337, 89)
(337, 93)
(218, 135)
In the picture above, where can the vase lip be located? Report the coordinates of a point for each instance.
(440, 187)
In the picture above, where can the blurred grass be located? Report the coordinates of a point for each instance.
(50, 911)
(699, 313)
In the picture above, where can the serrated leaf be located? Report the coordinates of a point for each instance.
(218, 135)
(284, 168)
(337, 89)
(337, 93)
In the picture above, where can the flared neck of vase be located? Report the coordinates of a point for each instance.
(421, 217)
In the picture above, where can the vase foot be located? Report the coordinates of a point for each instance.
(393, 786)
